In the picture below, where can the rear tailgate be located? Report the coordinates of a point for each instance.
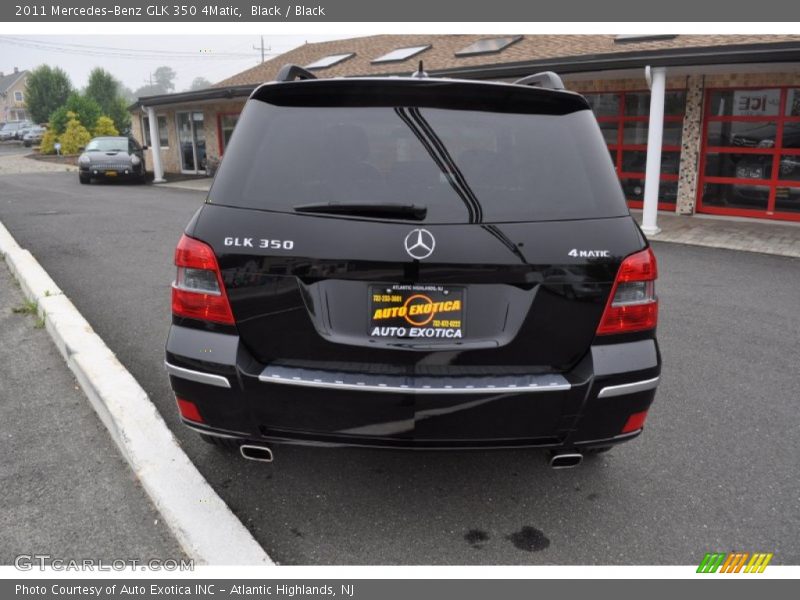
(531, 294)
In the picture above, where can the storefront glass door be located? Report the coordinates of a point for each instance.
(191, 142)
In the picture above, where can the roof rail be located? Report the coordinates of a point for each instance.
(545, 79)
(291, 72)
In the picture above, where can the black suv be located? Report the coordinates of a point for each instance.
(415, 263)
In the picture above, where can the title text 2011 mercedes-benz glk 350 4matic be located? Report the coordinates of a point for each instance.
(415, 263)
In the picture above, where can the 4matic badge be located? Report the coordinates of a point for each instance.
(575, 253)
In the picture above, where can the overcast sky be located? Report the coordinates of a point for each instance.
(131, 58)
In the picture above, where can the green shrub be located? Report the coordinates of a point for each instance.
(47, 145)
(105, 126)
(83, 108)
(75, 137)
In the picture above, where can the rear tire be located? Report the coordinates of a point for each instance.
(83, 179)
(221, 442)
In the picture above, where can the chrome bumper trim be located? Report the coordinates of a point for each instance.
(412, 385)
(215, 433)
(198, 376)
(628, 388)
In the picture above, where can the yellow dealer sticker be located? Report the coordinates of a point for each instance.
(416, 311)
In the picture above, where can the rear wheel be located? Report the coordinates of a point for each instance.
(84, 179)
(221, 442)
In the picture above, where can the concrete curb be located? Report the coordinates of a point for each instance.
(202, 523)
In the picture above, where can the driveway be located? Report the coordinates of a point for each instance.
(715, 470)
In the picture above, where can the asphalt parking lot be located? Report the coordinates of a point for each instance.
(716, 469)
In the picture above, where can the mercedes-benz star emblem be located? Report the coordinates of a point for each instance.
(420, 243)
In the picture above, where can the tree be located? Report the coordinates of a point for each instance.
(84, 109)
(105, 126)
(75, 137)
(126, 94)
(47, 88)
(120, 115)
(104, 89)
(162, 81)
(199, 83)
(165, 77)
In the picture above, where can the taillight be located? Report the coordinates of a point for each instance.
(632, 304)
(198, 292)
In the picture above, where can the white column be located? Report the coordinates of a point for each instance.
(155, 146)
(655, 134)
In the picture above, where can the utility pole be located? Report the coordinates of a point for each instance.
(262, 48)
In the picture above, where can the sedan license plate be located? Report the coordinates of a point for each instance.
(111, 173)
(416, 311)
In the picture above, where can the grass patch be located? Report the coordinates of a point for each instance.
(30, 308)
(27, 308)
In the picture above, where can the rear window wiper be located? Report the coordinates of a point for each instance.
(386, 211)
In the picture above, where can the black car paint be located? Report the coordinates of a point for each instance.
(532, 308)
(117, 162)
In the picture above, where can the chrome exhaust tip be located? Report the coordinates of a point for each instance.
(565, 460)
(253, 452)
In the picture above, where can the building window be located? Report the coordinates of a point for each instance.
(400, 54)
(225, 125)
(624, 120)
(750, 164)
(18, 96)
(489, 45)
(329, 61)
(163, 134)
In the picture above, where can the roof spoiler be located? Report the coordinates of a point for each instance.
(545, 79)
(291, 72)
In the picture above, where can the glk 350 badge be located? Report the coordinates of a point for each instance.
(263, 243)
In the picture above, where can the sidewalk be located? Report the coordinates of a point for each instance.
(16, 164)
(200, 184)
(752, 235)
(64, 488)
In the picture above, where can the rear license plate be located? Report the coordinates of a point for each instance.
(416, 311)
(111, 173)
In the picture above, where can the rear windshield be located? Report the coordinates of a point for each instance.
(463, 166)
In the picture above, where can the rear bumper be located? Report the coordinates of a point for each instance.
(239, 398)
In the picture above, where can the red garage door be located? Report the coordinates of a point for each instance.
(623, 118)
(750, 162)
